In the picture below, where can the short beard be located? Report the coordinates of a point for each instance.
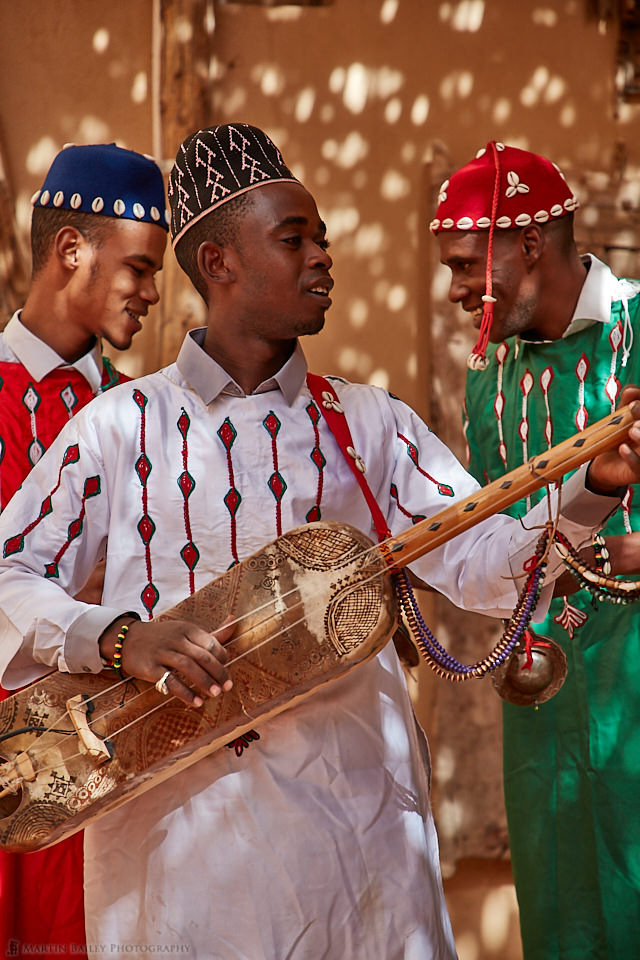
(520, 318)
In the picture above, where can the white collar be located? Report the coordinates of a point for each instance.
(209, 379)
(39, 359)
(599, 291)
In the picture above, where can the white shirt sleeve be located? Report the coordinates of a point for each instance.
(52, 535)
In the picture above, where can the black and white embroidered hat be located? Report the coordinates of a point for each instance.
(214, 165)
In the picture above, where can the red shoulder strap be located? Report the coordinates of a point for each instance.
(329, 405)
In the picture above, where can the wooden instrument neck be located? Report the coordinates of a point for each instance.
(506, 490)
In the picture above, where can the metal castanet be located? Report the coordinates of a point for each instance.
(308, 608)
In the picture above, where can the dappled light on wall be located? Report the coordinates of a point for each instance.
(101, 40)
(464, 16)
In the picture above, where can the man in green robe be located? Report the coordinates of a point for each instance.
(556, 346)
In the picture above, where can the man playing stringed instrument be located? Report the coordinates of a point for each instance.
(558, 341)
(98, 233)
(317, 840)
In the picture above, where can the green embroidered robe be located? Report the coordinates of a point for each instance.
(572, 765)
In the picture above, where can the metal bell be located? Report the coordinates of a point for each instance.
(525, 685)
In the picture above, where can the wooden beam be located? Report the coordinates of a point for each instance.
(187, 29)
(14, 270)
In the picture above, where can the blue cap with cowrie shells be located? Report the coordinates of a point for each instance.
(107, 180)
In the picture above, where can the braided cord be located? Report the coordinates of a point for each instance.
(602, 587)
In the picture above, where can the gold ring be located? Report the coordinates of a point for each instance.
(161, 685)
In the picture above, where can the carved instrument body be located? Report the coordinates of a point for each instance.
(312, 605)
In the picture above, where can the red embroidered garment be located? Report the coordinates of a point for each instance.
(41, 894)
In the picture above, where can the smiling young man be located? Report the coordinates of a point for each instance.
(314, 837)
(558, 341)
(98, 234)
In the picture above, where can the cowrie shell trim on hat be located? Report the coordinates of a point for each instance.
(138, 211)
(514, 185)
(557, 210)
(58, 200)
(483, 223)
(155, 213)
(541, 216)
(464, 223)
(45, 196)
(447, 224)
(118, 207)
(434, 225)
(76, 201)
(34, 198)
(503, 222)
(522, 220)
(97, 205)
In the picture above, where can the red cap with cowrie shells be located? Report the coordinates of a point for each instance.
(530, 189)
(503, 188)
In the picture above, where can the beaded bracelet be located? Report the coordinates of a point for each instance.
(603, 558)
(116, 663)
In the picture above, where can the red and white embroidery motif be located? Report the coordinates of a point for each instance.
(31, 400)
(91, 489)
(69, 399)
(276, 483)
(465, 431)
(146, 526)
(526, 385)
(570, 617)
(232, 497)
(16, 543)
(582, 417)
(189, 553)
(414, 517)
(545, 382)
(319, 460)
(612, 386)
(444, 489)
(626, 509)
(243, 742)
(498, 405)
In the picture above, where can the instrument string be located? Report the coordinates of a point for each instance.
(358, 557)
(34, 753)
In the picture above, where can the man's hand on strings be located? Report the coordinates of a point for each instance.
(620, 467)
(153, 650)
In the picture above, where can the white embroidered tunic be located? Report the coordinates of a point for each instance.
(318, 840)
